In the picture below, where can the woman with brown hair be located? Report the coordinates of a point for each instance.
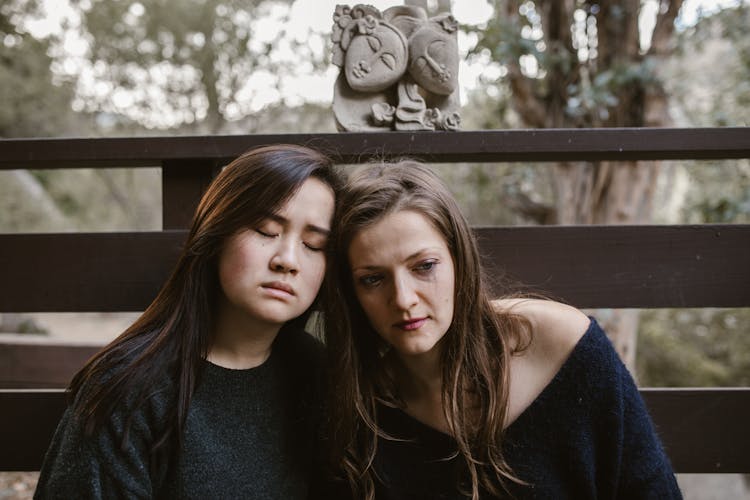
(437, 392)
(214, 391)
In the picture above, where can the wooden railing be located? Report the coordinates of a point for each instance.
(667, 266)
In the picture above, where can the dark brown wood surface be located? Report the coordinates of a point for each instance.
(27, 422)
(588, 266)
(626, 266)
(703, 430)
(617, 144)
(42, 364)
(85, 272)
(183, 184)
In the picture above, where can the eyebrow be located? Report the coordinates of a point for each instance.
(310, 227)
(415, 255)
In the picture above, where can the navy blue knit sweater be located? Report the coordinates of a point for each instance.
(587, 435)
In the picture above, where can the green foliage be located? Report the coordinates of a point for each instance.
(590, 102)
(32, 105)
(719, 193)
(709, 82)
(28, 325)
(694, 348)
(167, 63)
(488, 108)
(725, 210)
(572, 64)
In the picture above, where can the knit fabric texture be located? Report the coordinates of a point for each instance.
(248, 434)
(587, 435)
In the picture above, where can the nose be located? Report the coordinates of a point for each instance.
(285, 259)
(404, 293)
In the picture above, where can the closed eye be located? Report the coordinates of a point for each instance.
(314, 248)
(266, 234)
(389, 60)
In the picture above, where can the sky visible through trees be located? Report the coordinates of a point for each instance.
(291, 77)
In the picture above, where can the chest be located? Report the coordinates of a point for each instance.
(248, 440)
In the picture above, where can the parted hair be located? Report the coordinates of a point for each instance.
(476, 349)
(168, 342)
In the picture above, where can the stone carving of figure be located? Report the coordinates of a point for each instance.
(399, 69)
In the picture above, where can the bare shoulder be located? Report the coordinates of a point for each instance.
(555, 330)
(556, 327)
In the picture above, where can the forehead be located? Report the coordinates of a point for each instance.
(314, 200)
(395, 237)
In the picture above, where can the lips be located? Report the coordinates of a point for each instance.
(411, 324)
(279, 286)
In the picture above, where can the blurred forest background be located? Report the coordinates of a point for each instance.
(89, 68)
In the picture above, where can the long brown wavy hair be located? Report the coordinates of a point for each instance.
(172, 337)
(476, 349)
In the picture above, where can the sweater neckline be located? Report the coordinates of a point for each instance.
(568, 365)
(223, 370)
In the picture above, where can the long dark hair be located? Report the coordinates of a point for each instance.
(477, 346)
(173, 335)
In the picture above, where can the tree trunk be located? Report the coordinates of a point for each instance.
(605, 192)
(37, 213)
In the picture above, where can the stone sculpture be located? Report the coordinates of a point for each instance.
(399, 69)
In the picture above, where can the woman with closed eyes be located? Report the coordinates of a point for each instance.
(214, 391)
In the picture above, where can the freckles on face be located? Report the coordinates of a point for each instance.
(403, 277)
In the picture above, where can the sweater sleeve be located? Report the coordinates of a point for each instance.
(646, 471)
(588, 434)
(108, 464)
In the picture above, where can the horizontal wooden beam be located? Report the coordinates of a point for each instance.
(587, 266)
(532, 145)
(28, 362)
(703, 430)
(624, 266)
(85, 272)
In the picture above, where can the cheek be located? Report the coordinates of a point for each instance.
(317, 270)
(369, 306)
(237, 261)
(448, 290)
(241, 261)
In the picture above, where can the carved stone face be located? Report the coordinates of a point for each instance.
(434, 59)
(376, 57)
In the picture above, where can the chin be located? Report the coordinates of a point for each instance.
(414, 350)
(277, 316)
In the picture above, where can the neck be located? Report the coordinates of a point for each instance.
(240, 341)
(420, 381)
(421, 376)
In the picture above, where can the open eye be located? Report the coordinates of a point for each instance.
(426, 267)
(370, 280)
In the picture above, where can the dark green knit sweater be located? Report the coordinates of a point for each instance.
(248, 434)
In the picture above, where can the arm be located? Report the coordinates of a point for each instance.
(97, 466)
(646, 470)
(621, 445)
